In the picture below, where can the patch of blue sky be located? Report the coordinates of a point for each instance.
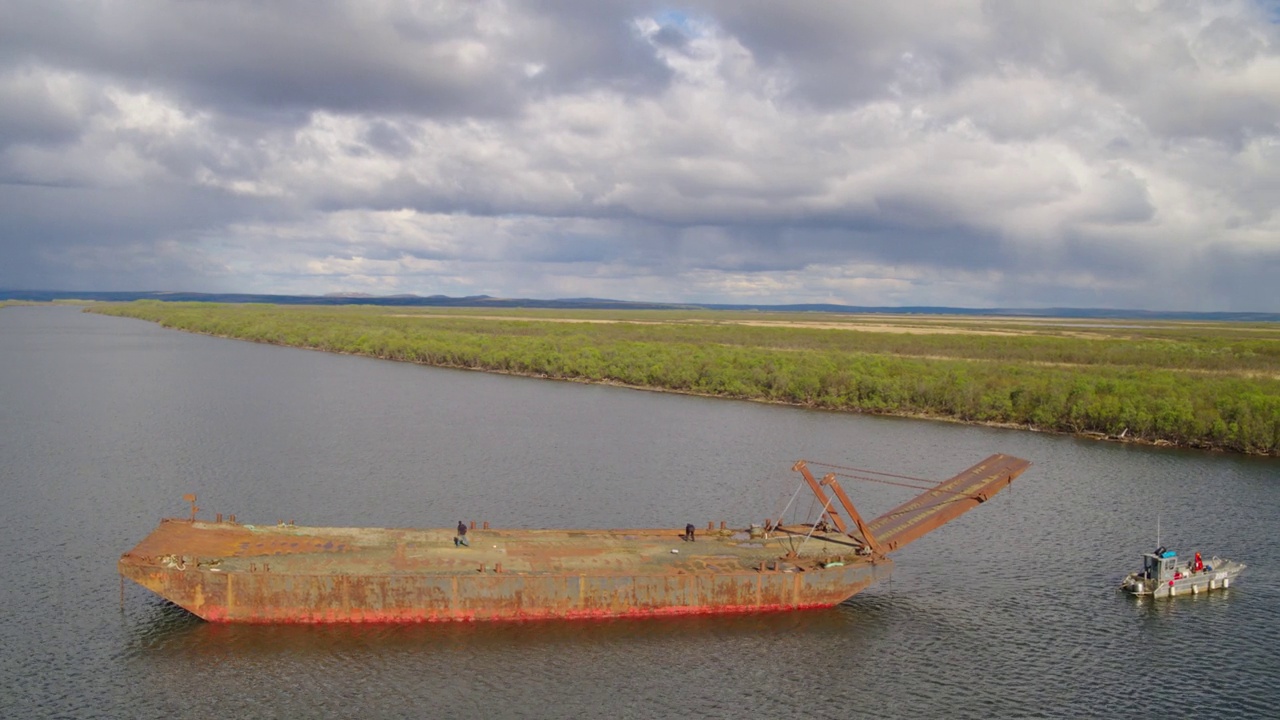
(688, 24)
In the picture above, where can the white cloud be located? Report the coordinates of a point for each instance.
(970, 154)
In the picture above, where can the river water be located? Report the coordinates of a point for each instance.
(1010, 611)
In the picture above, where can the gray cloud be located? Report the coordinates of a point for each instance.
(947, 153)
(837, 53)
(443, 60)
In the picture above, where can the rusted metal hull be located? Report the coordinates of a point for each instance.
(228, 572)
(285, 598)
(311, 599)
(284, 574)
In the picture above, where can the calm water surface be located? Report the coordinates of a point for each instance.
(1008, 612)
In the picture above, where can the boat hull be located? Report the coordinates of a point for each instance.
(284, 598)
(1221, 577)
(226, 573)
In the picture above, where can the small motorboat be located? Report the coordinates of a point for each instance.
(1164, 574)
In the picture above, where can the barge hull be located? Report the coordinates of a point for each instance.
(231, 572)
(272, 597)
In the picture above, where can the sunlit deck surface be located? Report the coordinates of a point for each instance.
(288, 549)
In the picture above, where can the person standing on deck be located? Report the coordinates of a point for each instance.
(461, 539)
(688, 532)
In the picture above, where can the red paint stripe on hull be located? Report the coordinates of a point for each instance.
(219, 615)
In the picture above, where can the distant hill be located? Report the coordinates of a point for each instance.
(480, 301)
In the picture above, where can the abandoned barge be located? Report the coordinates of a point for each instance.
(224, 571)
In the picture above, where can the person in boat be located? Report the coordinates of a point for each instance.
(461, 539)
(1198, 565)
(688, 532)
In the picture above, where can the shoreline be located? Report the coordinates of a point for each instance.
(1205, 389)
(1088, 435)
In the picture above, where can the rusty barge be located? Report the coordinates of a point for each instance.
(224, 571)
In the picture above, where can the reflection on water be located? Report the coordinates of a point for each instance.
(172, 631)
(1193, 606)
(1010, 611)
(161, 623)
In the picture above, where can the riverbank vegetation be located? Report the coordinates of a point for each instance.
(1192, 384)
(37, 303)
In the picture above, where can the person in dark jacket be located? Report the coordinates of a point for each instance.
(688, 532)
(462, 535)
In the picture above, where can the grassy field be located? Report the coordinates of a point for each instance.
(1194, 384)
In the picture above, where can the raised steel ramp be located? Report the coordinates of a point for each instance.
(948, 500)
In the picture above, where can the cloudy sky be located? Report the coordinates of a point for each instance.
(1092, 153)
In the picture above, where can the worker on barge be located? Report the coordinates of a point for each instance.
(461, 539)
